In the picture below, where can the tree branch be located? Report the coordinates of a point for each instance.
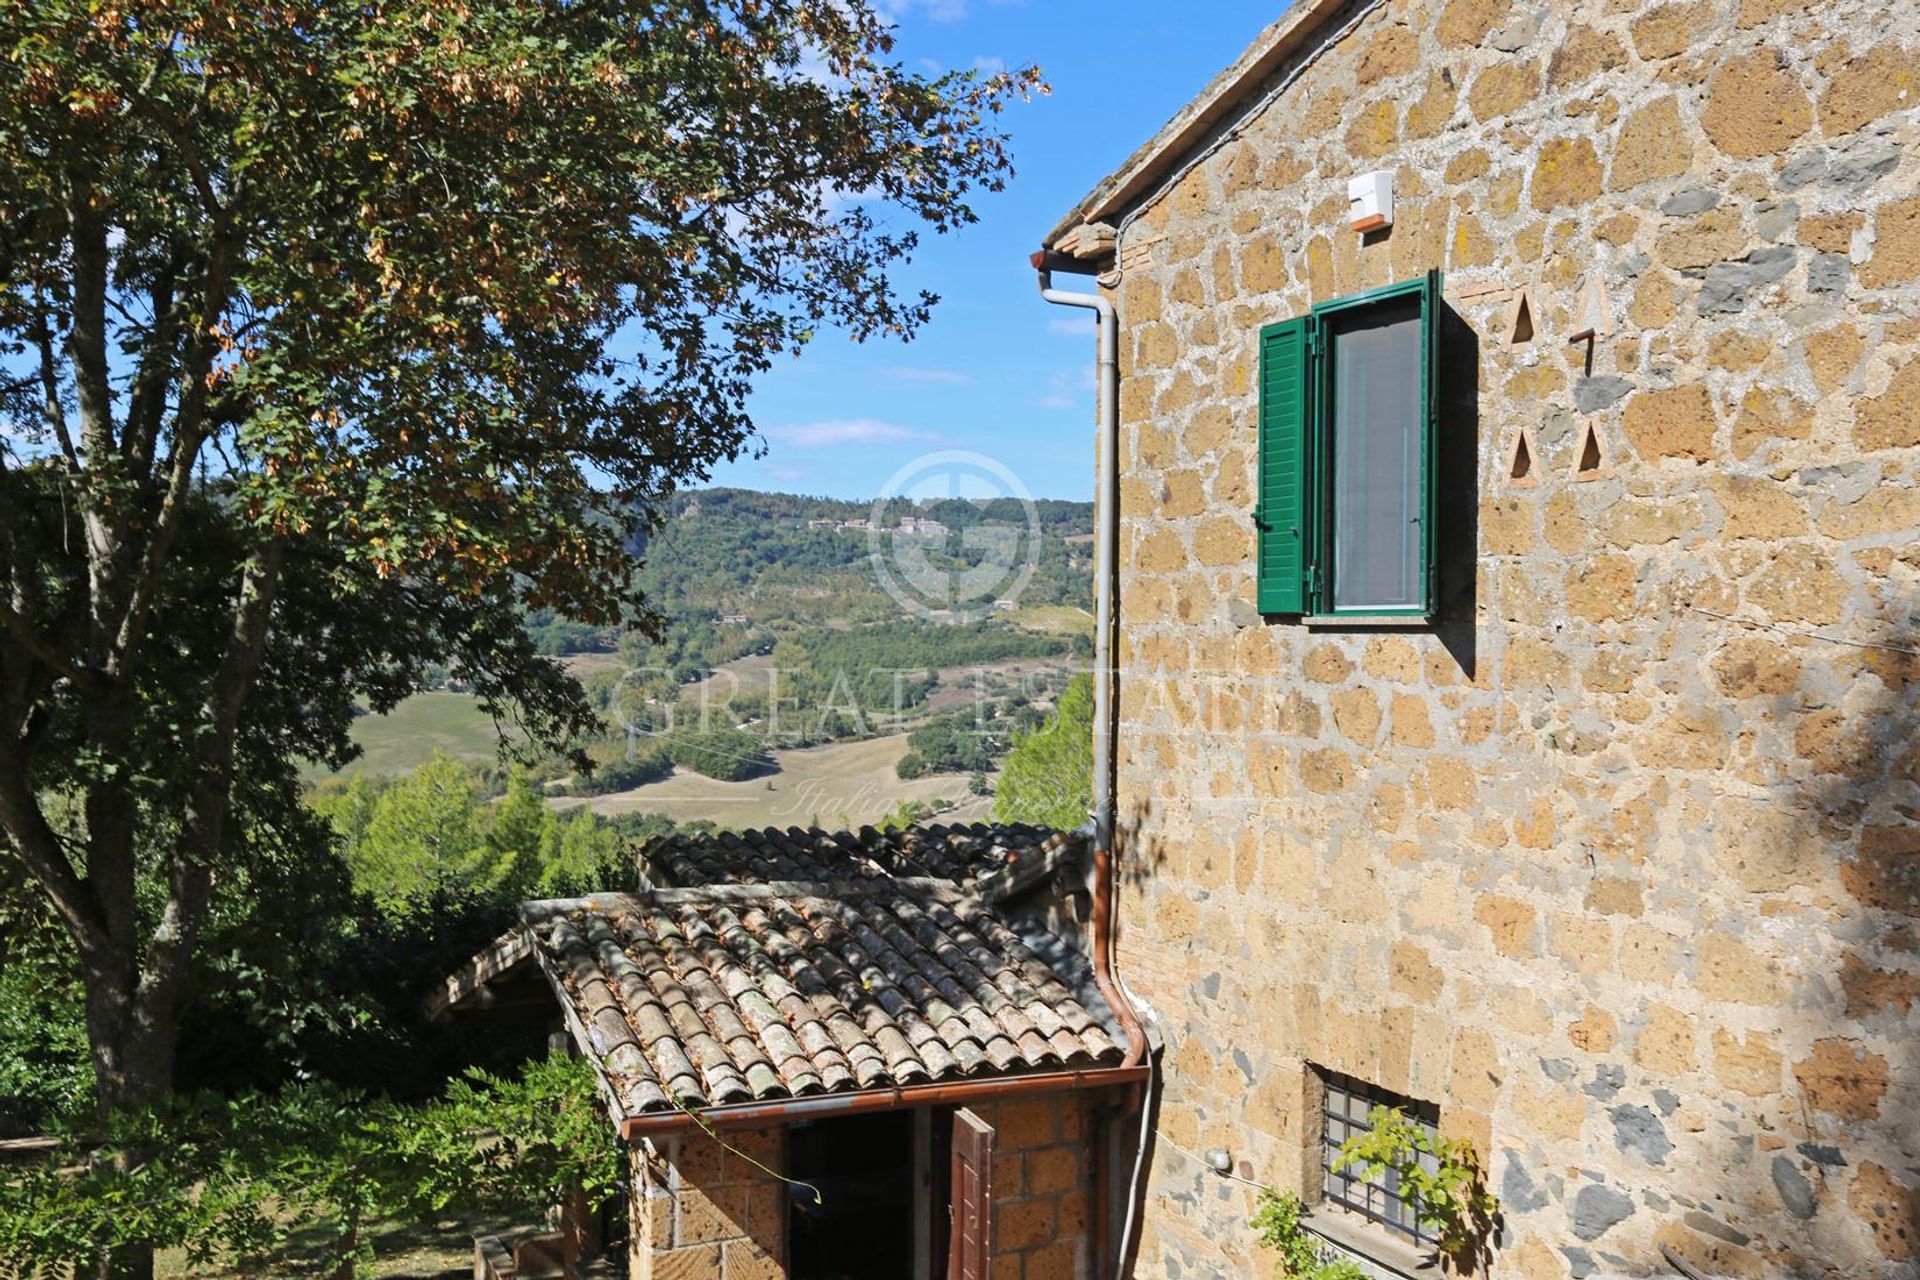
(50, 388)
(87, 334)
(190, 882)
(24, 635)
(188, 436)
(39, 848)
(148, 406)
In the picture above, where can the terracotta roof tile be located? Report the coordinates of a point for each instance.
(736, 992)
(990, 857)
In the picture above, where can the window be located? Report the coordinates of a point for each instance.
(1344, 1112)
(1348, 402)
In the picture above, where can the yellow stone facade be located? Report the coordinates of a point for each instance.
(1619, 862)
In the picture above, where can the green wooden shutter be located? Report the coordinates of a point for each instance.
(1430, 433)
(1280, 514)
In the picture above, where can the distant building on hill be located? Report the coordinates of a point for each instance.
(921, 527)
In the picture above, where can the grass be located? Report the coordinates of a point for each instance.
(407, 736)
(1052, 619)
(843, 784)
(401, 1249)
(748, 676)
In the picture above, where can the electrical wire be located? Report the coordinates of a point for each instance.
(1202, 1160)
(1804, 634)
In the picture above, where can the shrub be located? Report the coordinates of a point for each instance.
(646, 764)
(200, 1173)
(727, 754)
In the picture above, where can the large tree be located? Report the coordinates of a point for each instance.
(1048, 776)
(331, 331)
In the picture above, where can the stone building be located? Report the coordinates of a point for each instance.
(1550, 767)
(834, 1056)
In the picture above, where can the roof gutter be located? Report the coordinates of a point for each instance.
(767, 1115)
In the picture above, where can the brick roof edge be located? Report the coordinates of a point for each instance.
(1146, 166)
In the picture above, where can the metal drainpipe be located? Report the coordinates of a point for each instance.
(1107, 500)
(1106, 567)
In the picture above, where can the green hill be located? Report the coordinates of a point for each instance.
(747, 581)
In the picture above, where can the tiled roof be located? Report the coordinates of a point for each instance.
(738, 993)
(986, 857)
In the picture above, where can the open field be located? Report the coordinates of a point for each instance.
(842, 784)
(1052, 619)
(583, 665)
(746, 677)
(407, 737)
(964, 686)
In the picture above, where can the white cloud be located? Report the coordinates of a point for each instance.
(1072, 326)
(896, 11)
(786, 474)
(908, 373)
(986, 64)
(834, 432)
(1063, 385)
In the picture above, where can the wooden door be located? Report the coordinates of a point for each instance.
(970, 1252)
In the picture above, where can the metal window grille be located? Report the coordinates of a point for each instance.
(1342, 1115)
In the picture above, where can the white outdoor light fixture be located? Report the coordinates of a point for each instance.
(1370, 200)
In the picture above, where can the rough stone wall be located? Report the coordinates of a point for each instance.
(1042, 1188)
(702, 1212)
(1617, 864)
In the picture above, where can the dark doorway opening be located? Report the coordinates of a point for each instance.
(863, 1227)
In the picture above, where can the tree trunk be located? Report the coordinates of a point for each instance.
(133, 1068)
(350, 1243)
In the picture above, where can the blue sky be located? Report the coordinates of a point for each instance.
(997, 372)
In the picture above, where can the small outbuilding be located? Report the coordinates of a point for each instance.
(840, 1056)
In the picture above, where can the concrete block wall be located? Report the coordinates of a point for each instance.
(1620, 864)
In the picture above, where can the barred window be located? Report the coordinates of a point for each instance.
(1344, 1110)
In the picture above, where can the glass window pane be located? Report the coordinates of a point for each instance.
(1376, 419)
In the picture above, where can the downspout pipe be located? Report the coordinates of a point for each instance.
(1106, 562)
(1106, 570)
(1106, 531)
